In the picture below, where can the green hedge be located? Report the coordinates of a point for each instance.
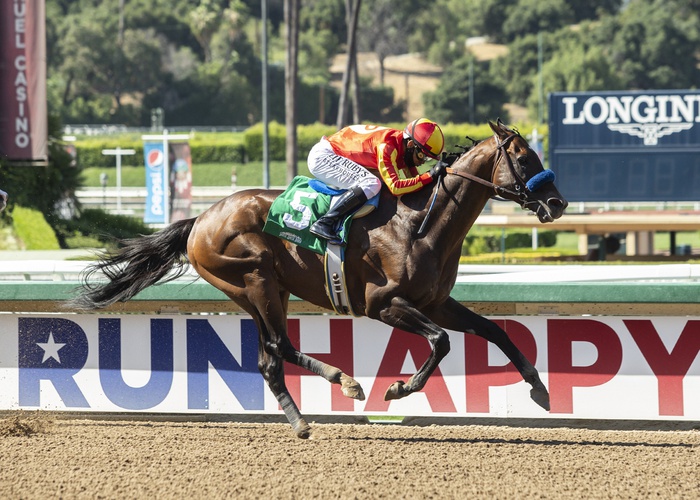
(307, 136)
(222, 147)
(31, 227)
(97, 228)
(241, 147)
(480, 241)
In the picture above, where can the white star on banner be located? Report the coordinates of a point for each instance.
(50, 348)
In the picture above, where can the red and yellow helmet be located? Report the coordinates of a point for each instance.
(427, 135)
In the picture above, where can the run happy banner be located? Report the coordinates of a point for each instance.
(595, 368)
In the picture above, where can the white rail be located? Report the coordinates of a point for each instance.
(66, 270)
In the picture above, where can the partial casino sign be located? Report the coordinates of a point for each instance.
(626, 146)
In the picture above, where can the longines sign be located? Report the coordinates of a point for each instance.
(626, 146)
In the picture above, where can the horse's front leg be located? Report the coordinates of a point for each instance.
(454, 316)
(401, 314)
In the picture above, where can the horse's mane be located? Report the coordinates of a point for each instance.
(452, 157)
(456, 155)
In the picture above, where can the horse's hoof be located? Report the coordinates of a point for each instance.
(396, 391)
(351, 388)
(304, 432)
(540, 396)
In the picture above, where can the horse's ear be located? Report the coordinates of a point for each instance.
(498, 128)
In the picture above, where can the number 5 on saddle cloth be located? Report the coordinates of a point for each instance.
(292, 214)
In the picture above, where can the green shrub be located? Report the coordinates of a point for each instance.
(205, 147)
(241, 147)
(276, 142)
(485, 240)
(31, 227)
(96, 228)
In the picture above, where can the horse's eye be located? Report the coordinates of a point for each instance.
(522, 161)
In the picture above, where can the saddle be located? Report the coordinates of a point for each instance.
(294, 211)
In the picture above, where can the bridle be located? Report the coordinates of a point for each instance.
(521, 190)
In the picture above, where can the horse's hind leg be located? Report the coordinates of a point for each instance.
(276, 321)
(271, 367)
(275, 346)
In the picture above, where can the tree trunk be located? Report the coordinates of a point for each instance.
(291, 21)
(355, 90)
(351, 50)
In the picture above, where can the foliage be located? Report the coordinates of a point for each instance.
(534, 16)
(42, 187)
(200, 60)
(33, 230)
(222, 147)
(450, 102)
(203, 174)
(307, 136)
(94, 227)
(653, 44)
(486, 240)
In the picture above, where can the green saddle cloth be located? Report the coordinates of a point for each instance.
(295, 210)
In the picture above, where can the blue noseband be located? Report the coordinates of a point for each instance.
(539, 180)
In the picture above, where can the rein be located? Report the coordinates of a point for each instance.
(522, 188)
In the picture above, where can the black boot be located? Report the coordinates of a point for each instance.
(350, 201)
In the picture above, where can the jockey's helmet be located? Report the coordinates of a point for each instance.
(427, 136)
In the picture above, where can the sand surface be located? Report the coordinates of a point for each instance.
(41, 457)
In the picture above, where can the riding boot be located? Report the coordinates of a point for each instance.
(327, 227)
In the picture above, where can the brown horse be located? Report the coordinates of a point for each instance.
(396, 272)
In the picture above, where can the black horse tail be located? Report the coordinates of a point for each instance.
(137, 264)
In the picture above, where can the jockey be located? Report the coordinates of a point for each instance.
(345, 159)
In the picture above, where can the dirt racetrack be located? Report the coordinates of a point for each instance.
(72, 458)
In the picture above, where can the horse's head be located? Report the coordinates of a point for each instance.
(519, 175)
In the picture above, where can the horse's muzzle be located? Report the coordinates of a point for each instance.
(551, 210)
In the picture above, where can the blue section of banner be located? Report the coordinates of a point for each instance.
(154, 159)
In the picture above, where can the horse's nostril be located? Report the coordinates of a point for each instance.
(557, 203)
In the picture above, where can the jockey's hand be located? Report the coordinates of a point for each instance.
(439, 169)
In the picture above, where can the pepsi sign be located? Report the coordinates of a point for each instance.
(626, 146)
(154, 158)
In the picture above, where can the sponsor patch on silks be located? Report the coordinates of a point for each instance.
(295, 210)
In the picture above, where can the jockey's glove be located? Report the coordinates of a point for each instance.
(439, 169)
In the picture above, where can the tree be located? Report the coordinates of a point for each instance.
(322, 29)
(654, 45)
(95, 70)
(534, 16)
(204, 21)
(516, 69)
(384, 29)
(353, 17)
(43, 187)
(576, 68)
(592, 9)
(450, 101)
